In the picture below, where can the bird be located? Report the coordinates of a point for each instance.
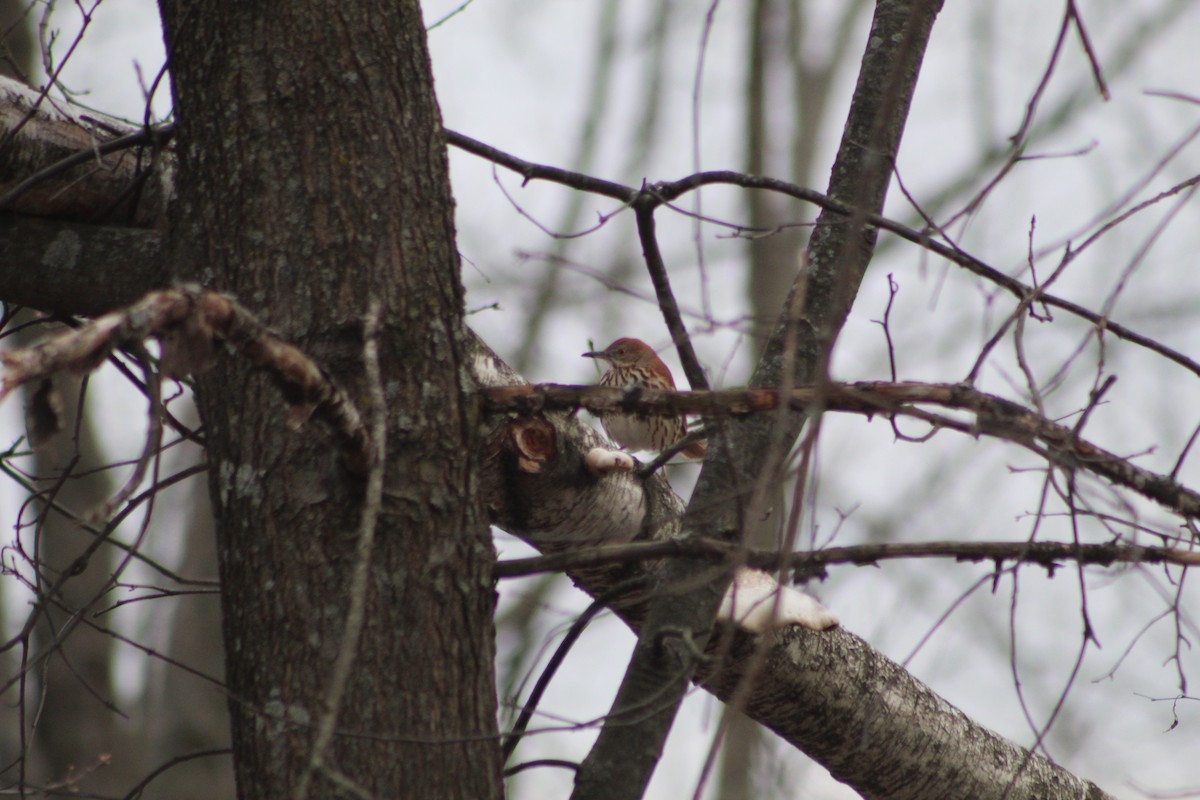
(632, 362)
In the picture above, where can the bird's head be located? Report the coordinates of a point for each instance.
(625, 352)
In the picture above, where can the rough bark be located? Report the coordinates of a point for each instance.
(294, 195)
(124, 187)
(77, 269)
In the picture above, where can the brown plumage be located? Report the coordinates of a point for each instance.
(632, 362)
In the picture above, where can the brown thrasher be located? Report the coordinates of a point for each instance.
(632, 362)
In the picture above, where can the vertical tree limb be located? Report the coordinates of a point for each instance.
(680, 616)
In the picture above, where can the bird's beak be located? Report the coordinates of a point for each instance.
(592, 355)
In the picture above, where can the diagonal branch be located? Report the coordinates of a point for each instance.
(644, 211)
(190, 324)
(748, 451)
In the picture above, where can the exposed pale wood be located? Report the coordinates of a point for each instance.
(38, 132)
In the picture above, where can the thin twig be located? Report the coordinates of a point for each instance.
(668, 191)
(1046, 554)
(158, 137)
(644, 211)
(136, 791)
(513, 737)
(356, 614)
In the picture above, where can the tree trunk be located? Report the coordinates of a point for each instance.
(312, 180)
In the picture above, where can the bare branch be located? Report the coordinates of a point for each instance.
(812, 563)
(57, 160)
(644, 210)
(372, 501)
(994, 416)
(190, 324)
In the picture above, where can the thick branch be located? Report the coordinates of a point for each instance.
(75, 165)
(994, 416)
(67, 268)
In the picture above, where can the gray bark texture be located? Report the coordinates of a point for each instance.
(312, 180)
(80, 181)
